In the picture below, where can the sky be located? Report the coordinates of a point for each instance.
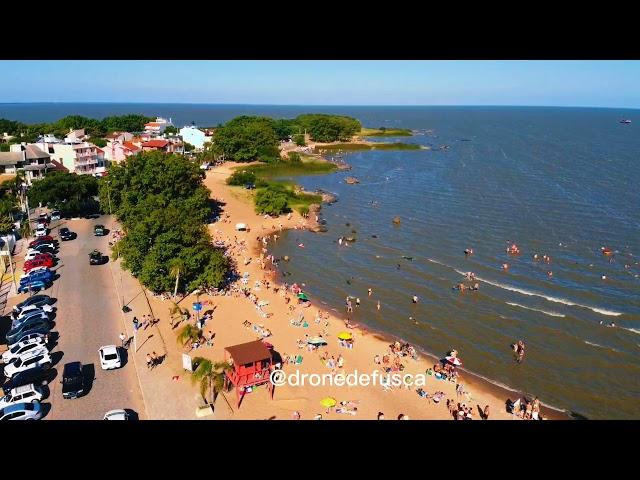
(342, 82)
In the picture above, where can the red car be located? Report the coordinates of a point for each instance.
(45, 239)
(39, 261)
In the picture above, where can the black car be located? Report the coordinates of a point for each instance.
(36, 375)
(37, 300)
(32, 325)
(96, 258)
(250, 186)
(66, 234)
(72, 380)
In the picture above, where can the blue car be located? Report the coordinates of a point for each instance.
(44, 275)
(32, 285)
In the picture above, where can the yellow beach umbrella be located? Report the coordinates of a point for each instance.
(328, 402)
(345, 336)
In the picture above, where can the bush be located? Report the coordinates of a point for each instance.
(271, 200)
(299, 140)
(294, 157)
(241, 177)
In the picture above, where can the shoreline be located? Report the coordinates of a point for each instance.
(368, 342)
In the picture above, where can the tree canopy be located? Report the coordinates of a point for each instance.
(163, 206)
(71, 193)
(247, 138)
(329, 128)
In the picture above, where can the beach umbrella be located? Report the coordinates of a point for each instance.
(454, 361)
(328, 402)
(345, 336)
(317, 341)
(303, 296)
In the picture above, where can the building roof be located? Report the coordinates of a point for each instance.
(156, 143)
(153, 124)
(10, 158)
(34, 153)
(131, 146)
(249, 352)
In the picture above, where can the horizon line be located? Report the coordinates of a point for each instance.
(310, 105)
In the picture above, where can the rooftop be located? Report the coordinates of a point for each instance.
(249, 352)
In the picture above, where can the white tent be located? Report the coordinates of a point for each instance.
(241, 226)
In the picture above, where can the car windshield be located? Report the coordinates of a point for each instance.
(110, 356)
(18, 362)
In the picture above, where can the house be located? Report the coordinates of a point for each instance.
(6, 138)
(81, 158)
(119, 136)
(116, 151)
(158, 127)
(177, 145)
(28, 158)
(194, 136)
(75, 136)
(156, 144)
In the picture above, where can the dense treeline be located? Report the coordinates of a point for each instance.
(163, 206)
(93, 127)
(249, 138)
(74, 195)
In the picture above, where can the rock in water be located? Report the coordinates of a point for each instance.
(351, 180)
(396, 220)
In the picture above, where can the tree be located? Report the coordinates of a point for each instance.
(4, 147)
(171, 130)
(74, 194)
(188, 147)
(6, 225)
(25, 229)
(294, 157)
(299, 140)
(271, 201)
(210, 375)
(329, 128)
(189, 334)
(247, 138)
(175, 268)
(99, 142)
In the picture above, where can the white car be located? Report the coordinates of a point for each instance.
(28, 361)
(116, 415)
(22, 394)
(41, 231)
(22, 347)
(22, 411)
(109, 357)
(31, 254)
(55, 215)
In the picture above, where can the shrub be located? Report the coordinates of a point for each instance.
(271, 200)
(299, 140)
(294, 157)
(241, 177)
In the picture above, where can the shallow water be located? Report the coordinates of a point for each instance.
(556, 182)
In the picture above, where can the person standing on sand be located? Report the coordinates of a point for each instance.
(380, 416)
(122, 339)
(378, 305)
(485, 415)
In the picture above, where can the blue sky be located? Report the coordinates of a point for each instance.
(344, 82)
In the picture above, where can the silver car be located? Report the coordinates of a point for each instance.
(22, 394)
(36, 342)
(22, 411)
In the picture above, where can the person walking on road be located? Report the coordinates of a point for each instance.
(136, 323)
(149, 361)
(154, 359)
(122, 340)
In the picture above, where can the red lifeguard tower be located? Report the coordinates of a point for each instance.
(252, 363)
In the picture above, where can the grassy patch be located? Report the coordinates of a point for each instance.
(387, 132)
(354, 147)
(286, 169)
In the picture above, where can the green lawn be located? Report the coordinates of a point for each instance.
(353, 147)
(388, 132)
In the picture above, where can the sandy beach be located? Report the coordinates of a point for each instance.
(229, 327)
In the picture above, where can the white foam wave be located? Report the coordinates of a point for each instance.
(634, 330)
(553, 314)
(594, 344)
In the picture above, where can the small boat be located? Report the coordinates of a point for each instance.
(625, 121)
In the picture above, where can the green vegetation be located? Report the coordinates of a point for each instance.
(188, 147)
(163, 206)
(294, 157)
(247, 138)
(95, 128)
(384, 132)
(171, 130)
(329, 128)
(72, 194)
(4, 147)
(272, 200)
(352, 147)
(210, 375)
(99, 142)
(299, 140)
(290, 169)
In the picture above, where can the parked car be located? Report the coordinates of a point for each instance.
(41, 231)
(23, 346)
(44, 275)
(34, 270)
(33, 254)
(55, 215)
(37, 376)
(66, 234)
(37, 358)
(46, 238)
(44, 243)
(37, 300)
(109, 357)
(32, 286)
(72, 380)
(38, 262)
(33, 325)
(29, 316)
(23, 394)
(117, 415)
(31, 308)
(22, 411)
(99, 230)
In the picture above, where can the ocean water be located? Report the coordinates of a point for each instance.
(557, 181)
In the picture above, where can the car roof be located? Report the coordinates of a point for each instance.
(18, 407)
(116, 413)
(24, 389)
(72, 368)
(109, 349)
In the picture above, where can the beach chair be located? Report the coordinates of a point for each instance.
(298, 360)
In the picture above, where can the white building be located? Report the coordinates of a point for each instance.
(75, 136)
(158, 127)
(27, 158)
(194, 136)
(80, 158)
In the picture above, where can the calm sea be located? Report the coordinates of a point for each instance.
(557, 181)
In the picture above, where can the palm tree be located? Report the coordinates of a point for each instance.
(175, 269)
(175, 309)
(25, 229)
(211, 376)
(189, 334)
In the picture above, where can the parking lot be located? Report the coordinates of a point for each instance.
(87, 316)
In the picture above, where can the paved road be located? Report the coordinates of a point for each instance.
(88, 316)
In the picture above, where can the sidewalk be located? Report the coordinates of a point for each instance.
(164, 397)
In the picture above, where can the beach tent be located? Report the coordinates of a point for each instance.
(345, 336)
(241, 226)
(454, 361)
(316, 341)
(328, 402)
